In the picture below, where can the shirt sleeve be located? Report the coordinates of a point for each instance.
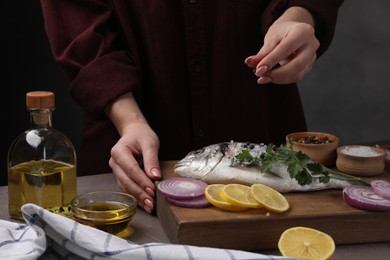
(323, 11)
(84, 45)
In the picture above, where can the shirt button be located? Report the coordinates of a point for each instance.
(200, 133)
(192, 1)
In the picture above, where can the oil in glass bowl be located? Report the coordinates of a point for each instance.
(108, 211)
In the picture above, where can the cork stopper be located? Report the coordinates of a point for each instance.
(40, 99)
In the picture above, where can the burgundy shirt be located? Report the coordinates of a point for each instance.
(184, 62)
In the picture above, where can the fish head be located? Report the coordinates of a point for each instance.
(198, 163)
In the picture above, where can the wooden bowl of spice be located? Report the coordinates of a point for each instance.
(360, 160)
(386, 150)
(321, 147)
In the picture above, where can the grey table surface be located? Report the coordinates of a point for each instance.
(147, 228)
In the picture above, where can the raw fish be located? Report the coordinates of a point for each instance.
(217, 164)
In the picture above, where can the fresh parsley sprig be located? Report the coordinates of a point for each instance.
(299, 166)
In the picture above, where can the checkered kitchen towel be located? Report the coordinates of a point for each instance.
(50, 236)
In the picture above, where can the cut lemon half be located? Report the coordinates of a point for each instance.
(271, 199)
(307, 243)
(212, 194)
(238, 194)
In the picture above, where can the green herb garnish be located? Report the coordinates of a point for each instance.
(299, 165)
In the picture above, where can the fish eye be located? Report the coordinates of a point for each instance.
(223, 148)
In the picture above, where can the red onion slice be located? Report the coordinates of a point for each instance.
(364, 197)
(382, 188)
(182, 188)
(200, 202)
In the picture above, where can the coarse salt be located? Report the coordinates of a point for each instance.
(363, 151)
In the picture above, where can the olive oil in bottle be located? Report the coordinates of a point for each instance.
(41, 161)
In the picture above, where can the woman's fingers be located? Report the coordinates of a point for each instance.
(127, 183)
(131, 178)
(288, 53)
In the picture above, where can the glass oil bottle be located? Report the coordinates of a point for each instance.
(41, 161)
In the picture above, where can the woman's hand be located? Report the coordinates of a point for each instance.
(289, 49)
(134, 161)
(134, 158)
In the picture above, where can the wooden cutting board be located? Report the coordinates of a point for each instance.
(257, 229)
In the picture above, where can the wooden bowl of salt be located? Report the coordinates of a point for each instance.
(360, 160)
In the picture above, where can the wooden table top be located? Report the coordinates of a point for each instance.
(147, 228)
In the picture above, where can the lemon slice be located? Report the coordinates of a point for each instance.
(238, 194)
(212, 194)
(271, 199)
(307, 243)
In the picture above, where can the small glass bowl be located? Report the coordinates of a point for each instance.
(323, 153)
(109, 211)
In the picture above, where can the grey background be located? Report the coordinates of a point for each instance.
(348, 90)
(346, 93)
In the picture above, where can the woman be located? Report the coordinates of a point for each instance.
(157, 79)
